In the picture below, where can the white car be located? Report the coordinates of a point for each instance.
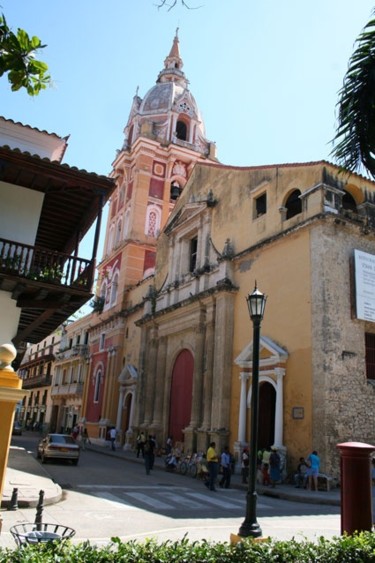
(58, 446)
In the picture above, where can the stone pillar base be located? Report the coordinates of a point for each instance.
(190, 441)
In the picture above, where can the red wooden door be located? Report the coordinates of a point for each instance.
(181, 395)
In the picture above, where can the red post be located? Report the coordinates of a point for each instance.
(356, 501)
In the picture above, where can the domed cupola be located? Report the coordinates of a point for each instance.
(168, 113)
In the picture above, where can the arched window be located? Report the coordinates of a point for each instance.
(97, 382)
(181, 130)
(293, 204)
(110, 239)
(103, 291)
(114, 288)
(348, 202)
(153, 219)
(126, 222)
(118, 232)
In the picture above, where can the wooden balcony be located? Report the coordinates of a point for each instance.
(48, 286)
(42, 380)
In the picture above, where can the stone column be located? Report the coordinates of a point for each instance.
(151, 370)
(160, 377)
(208, 371)
(222, 361)
(279, 372)
(120, 408)
(196, 407)
(244, 376)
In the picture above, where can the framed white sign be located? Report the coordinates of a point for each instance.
(364, 265)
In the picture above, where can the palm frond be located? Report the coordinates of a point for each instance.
(354, 142)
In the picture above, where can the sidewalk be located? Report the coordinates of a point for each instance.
(28, 475)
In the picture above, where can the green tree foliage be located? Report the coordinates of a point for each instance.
(17, 60)
(354, 142)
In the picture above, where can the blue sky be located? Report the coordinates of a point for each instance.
(265, 73)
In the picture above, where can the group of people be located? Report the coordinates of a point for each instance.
(224, 462)
(308, 472)
(270, 466)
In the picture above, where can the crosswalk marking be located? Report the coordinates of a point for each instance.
(182, 500)
(114, 499)
(217, 501)
(151, 501)
(175, 499)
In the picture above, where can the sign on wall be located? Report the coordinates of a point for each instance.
(364, 265)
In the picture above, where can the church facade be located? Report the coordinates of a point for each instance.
(163, 139)
(187, 238)
(297, 231)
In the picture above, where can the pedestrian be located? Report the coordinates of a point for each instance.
(266, 466)
(313, 461)
(85, 438)
(300, 477)
(112, 437)
(245, 465)
(141, 440)
(75, 432)
(213, 466)
(226, 467)
(153, 451)
(148, 454)
(168, 445)
(275, 465)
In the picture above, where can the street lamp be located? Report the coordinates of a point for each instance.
(256, 303)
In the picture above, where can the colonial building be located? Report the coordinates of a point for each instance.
(301, 231)
(36, 371)
(163, 139)
(70, 374)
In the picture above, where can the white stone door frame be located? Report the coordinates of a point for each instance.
(271, 370)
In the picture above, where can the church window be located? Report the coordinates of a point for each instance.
(370, 355)
(260, 205)
(153, 219)
(181, 130)
(114, 287)
(130, 136)
(126, 222)
(193, 254)
(110, 239)
(98, 378)
(118, 232)
(293, 204)
(348, 202)
(102, 341)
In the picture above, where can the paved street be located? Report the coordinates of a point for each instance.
(106, 496)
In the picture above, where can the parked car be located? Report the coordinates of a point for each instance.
(17, 429)
(58, 446)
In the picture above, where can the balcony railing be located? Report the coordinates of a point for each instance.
(36, 381)
(66, 389)
(81, 350)
(43, 265)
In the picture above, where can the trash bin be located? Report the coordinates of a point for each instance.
(40, 533)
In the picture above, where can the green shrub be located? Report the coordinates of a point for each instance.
(359, 548)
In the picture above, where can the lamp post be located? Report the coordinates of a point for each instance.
(256, 302)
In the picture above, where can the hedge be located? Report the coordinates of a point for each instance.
(357, 549)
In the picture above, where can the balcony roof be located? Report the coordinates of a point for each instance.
(72, 196)
(73, 200)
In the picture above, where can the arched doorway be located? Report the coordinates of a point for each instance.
(181, 395)
(266, 425)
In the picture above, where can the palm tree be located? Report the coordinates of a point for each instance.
(355, 134)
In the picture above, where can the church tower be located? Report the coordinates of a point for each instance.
(163, 139)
